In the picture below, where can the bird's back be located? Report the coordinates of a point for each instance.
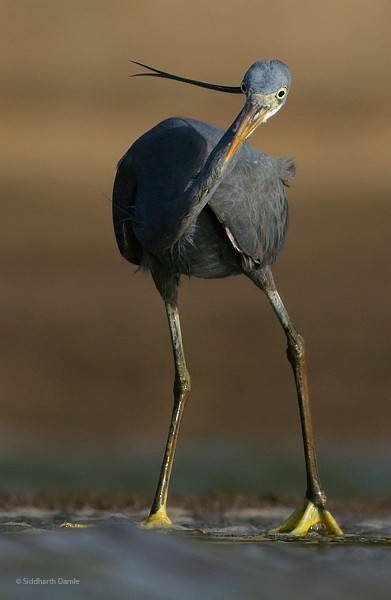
(243, 224)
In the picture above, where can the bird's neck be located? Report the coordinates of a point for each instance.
(215, 169)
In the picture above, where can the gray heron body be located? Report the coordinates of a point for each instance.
(196, 200)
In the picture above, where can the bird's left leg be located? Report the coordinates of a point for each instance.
(158, 516)
(312, 515)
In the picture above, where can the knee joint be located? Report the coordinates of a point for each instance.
(182, 383)
(296, 346)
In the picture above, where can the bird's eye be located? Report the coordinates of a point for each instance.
(281, 93)
(243, 87)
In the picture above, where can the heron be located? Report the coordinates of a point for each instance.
(192, 199)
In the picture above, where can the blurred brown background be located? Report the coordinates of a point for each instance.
(85, 356)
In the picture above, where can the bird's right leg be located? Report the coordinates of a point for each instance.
(158, 516)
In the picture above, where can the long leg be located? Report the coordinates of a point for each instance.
(313, 513)
(158, 516)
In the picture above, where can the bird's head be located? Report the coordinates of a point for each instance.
(266, 85)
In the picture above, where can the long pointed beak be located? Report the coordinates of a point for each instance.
(252, 117)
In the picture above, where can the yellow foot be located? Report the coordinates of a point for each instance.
(309, 518)
(158, 520)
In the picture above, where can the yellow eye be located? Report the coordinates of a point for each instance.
(243, 87)
(282, 92)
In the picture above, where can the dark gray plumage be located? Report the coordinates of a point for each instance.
(241, 227)
(192, 199)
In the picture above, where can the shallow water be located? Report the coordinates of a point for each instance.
(224, 552)
(121, 561)
(230, 556)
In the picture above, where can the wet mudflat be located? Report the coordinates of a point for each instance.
(224, 550)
